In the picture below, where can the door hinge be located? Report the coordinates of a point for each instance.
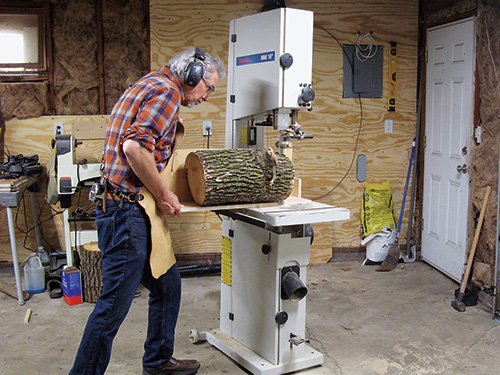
(231, 316)
(233, 38)
(232, 98)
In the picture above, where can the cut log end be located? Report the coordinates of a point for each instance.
(195, 173)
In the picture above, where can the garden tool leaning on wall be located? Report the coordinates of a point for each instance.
(392, 258)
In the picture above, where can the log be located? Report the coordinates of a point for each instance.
(91, 270)
(238, 176)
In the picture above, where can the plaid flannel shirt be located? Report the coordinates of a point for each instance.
(147, 113)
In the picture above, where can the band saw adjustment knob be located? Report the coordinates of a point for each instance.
(266, 249)
(286, 60)
(281, 317)
(307, 94)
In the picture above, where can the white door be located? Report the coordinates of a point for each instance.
(448, 133)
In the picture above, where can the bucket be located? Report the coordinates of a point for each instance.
(34, 275)
(378, 245)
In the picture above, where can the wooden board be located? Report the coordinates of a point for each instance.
(90, 129)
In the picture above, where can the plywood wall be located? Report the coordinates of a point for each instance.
(321, 163)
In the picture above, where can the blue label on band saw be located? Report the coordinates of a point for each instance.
(255, 59)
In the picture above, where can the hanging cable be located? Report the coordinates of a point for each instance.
(208, 140)
(340, 44)
(353, 156)
(360, 120)
(367, 50)
(38, 222)
(54, 213)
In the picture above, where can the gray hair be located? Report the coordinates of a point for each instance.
(177, 64)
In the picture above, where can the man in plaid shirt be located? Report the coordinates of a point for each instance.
(139, 140)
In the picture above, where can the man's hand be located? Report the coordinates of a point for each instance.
(168, 203)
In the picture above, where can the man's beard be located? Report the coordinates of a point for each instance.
(192, 104)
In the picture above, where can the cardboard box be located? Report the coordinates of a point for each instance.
(72, 285)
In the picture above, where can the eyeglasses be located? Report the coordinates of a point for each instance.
(210, 88)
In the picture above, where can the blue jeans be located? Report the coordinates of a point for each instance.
(125, 242)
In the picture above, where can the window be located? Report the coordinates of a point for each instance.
(22, 42)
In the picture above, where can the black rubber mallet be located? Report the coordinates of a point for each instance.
(458, 302)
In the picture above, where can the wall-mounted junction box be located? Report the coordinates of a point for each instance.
(363, 79)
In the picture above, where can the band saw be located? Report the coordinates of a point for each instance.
(265, 251)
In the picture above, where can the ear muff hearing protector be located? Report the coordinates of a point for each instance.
(195, 70)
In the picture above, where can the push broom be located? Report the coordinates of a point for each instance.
(392, 258)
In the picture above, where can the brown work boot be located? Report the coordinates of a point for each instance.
(176, 367)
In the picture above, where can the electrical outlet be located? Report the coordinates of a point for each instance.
(389, 126)
(58, 129)
(207, 128)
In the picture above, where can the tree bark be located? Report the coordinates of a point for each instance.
(91, 269)
(238, 176)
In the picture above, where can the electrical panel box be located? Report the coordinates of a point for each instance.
(363, 78)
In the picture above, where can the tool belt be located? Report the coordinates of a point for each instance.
(115, 194)
(127, 197)
(99, 193)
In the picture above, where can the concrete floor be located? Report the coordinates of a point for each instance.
(364, 322)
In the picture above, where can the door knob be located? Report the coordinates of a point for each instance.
(462, 168)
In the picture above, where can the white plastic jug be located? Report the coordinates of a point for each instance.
(34, 275)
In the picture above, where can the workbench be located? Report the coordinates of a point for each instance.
(11, 192)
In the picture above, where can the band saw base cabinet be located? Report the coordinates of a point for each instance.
(251, 298)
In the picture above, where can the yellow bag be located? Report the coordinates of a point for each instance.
(377, 209)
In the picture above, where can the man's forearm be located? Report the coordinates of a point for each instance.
(142, 162)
